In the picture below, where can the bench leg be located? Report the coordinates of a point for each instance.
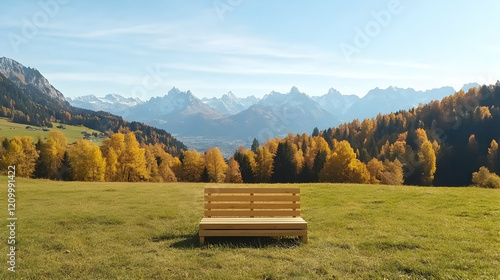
(202, 240)
(304, 239)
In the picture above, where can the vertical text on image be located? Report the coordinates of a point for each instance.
(11, 220)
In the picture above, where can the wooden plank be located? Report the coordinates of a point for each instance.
(254, 226)
(230, 198)
(254, 232)
(255, 213)
(252, 205)
(251, 190)
(253, 220)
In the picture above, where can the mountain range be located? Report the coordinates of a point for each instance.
(228, 121)
(231, 118)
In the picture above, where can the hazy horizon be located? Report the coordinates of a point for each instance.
(252, 48)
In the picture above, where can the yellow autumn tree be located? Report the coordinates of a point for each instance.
(393, 173)
(481, 113)
(176, 167)
(23, 154)
(264, 165)
(166, 173)
(52, 152)
(398, 150)
(151, 163)
(421, 136)
(87, 161)
(112, 149)
(215, 164)
(192, 166)
(492, 155)
(358, 173)
(342, 166)
(427, 158)
(116, 141)
(233, 172)
(376, 169)
(133, 161)
(111, 173)
(298, 158)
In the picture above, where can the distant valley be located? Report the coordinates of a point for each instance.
(231, 121)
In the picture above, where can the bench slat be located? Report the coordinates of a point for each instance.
(231, 198)
(251, 190)
(280, 220)
(252, 206)
(248, 213)
(253, 232)
(254, 226)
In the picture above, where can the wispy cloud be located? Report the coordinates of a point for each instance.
(142, 30)
(121, 79)
(181, 37)
(396, 63)
(267, 69)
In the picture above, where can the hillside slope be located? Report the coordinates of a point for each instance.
(19, 103)
(461, 127)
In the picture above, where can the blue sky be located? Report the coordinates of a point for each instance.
(250, 47)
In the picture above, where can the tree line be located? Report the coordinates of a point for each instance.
(448, 142)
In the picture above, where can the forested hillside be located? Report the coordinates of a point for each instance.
(463, 129)
(18, 106)
(442, 143)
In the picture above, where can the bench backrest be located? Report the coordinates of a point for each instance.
(252, 202)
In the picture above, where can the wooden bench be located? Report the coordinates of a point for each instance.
(252, 212)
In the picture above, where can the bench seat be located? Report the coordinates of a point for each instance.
(252, 212)
(253, 223)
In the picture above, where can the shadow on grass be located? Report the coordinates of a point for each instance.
(188, 241)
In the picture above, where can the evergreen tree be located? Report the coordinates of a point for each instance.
(315, 132)
(5, 143)
(205, 177)
(364, 156)
(319, 162)
(306, 175)
(245, 165)
(304, 147)
(255, 145)
(284, 167)
(65, 172)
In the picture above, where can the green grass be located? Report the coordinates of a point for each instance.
(9, 129)
(81, 230)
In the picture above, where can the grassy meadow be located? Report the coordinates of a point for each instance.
(9, 129)
(76, 230)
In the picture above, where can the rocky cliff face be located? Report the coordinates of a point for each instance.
(32, 82)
